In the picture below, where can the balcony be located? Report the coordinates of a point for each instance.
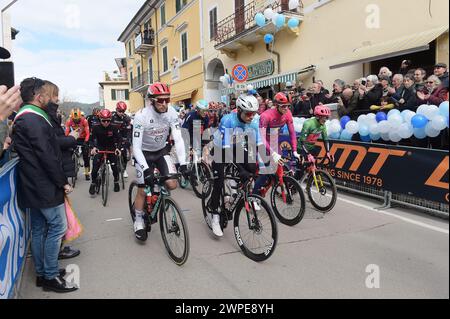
(240, 30)
(141, 82)
(144, 42)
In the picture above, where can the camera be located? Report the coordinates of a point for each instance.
(6, 69)
(363, 82)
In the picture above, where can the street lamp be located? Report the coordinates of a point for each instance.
(4, 22)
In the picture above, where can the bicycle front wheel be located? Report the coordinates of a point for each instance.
(322, 191)
(174, 231)
(105, 184)
(255, 230)
(288, 201)
(204, 173)
(121, 171)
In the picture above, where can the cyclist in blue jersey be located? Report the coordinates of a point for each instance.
(238, 134)
(197, 117)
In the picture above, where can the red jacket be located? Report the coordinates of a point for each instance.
(438, 96)
(82, 128)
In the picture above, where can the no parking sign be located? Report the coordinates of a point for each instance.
(240, 73)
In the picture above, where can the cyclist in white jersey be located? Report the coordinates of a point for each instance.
(152, 128)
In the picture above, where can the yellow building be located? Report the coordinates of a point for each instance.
(345, 39)
(163, 43)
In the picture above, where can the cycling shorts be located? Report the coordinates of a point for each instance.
(160, 160)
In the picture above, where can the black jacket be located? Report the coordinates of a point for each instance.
(372, 97)
(41, 177)
(444, 79)
(67, 144)
(410, 97)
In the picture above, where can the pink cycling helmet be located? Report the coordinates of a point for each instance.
(322, 110)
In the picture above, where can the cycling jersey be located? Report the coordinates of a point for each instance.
(105, 138)
(151, 131)
(232, 131)
(311, 132)
(122, 124)
(93, 121)
(272, 119)
(82, 128)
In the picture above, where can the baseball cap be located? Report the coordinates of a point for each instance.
(440, 65)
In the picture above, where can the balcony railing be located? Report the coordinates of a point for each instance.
(144, 42)
(144, 79)
(244, 19)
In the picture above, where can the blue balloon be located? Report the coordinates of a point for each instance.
(375, 137)
(381, 116)
(346, 135)
(268, 38)
(344, 121)
(366, 138)
(364, 130)
(420, 133)
(443, 109)
(281, 20)
(260, 19)
(293, 23)
(419, 121)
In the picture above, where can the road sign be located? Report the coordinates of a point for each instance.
(240, 73)
(240, 86)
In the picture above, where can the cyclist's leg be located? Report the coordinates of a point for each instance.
(115, 169)
(166, 167)
(85, 149)
(219, 175)
(140, 196)
(96, 166)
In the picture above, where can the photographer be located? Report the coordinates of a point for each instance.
(370, 92)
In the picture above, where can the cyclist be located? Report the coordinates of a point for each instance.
(234, 129)
(213, 114)
(122, 123)
(93, 119)
(80, 125)
(197, 117)
(313, 129)
(270, 123)
(104, 137)
(152, 128)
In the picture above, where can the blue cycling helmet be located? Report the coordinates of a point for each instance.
(202, 105)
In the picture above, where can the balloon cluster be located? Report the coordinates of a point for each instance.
(226, 80)
(277, 19)
(429, 121)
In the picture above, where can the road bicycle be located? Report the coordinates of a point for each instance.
(162, 207)
(102, 182)
(76, 158)
(198, 173)
(255, 226)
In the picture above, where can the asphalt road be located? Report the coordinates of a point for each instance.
(322, 257)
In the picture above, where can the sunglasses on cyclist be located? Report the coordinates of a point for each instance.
(249, 114)
(284, 106)
(105, 121)
(162, 101)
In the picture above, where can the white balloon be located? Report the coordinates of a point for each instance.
(268, 13)
(395, 120)
(430, 131)
(421, 109)
(374, 129)
(352, 127)
(384, 127)
(274, 18)
(431, 111)
(408, 116)
(438, 123)
(371, 117)
(406, 131)
(335, 127)
(293, 4)
(362, 119)
(394, 137)
(385, 137)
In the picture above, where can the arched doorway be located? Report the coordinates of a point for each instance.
(213, 85)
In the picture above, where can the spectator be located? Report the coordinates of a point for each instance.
(408, 98)
(262, 105)
(419, 79)
(323, 90)
(385, 84)
(440, 70)
(356, 84)
(348, 103)
(436, 92)
(41, 183)
(371, 93)
(338, 88)
(385, 72)
(67, 145)
(397, 85)
(9, 101)
(385, 105)
(405, 66)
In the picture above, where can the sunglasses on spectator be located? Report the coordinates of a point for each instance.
(429, 82)
(162, 101)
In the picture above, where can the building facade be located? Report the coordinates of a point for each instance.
(163, 43)
(343, 39)
(115, 87)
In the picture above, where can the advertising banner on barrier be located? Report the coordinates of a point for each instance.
(14, 232)
(422, 173)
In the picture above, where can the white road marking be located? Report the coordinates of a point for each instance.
(408, 220)
(114, 220)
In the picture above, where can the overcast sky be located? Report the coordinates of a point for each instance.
(70, 42)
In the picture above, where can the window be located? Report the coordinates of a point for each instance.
(163, 14)
(180, 4)
(120, 95)
(184, 47)
(150, 71)
(130, 52)
(165, 59)
(213, 24)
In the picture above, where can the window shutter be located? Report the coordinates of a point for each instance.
(127, 95)
(113, 95)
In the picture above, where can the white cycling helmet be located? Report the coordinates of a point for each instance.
(247, 103)
(202, 105)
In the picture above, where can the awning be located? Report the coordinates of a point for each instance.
(182, 96)
(405, 45)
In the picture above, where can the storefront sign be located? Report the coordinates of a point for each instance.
(261, 69)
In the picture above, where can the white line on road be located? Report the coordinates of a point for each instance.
(114, 220)
(408, 220)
